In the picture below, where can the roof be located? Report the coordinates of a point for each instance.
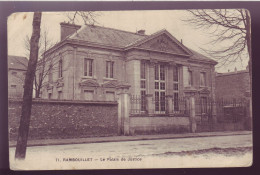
(107, 36)
(17, 62)
(199, 56)
(233, 73)
(125, 39)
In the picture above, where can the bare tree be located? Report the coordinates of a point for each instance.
(87, 17)
(230, 28)
(42, 70)
(20, 151)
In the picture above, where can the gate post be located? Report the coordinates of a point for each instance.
(214, 111)
(123, 110)
(193, 125)
(149, 104)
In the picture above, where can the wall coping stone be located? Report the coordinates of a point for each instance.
(77, 102)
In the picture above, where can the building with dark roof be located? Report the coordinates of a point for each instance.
(94, 62)
(233, 85)
(17, 67)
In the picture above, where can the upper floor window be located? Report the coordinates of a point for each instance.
(109, 69)
(175, 74)
(190, 78)
(50, 74)
(88, 67)
(60, 68)
(202, 79)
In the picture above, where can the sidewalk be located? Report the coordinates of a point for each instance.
(127, 138)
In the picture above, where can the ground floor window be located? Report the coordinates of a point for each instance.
(110, 96)
(160, 101)
(204, 105)
(49, 95)
(143, 100)
(176, 101)
(59, 95)
(89, 95)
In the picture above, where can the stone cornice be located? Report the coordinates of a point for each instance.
(97, 45)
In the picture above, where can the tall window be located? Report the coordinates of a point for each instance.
(50, 74)
(202, 79)
(88, 67)
(109, 69)
(143, 87)
(160, 88)
(60, 68)
(204, 105)
(190, 79)
(175, 88)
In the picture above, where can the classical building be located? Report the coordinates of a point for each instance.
(17, 67)
(93, 62)
(233, 85)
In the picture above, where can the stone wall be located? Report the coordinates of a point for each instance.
(66, 119)
(152, 125)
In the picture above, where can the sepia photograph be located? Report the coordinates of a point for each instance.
(130, 89)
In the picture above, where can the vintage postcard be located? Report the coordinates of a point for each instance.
(129, 89)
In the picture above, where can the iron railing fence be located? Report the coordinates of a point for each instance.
(138, 105)
(159, 106)
(181, 107)
(226, 110)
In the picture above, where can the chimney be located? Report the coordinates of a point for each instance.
(141, 32)
(67, 29)
(235, 69)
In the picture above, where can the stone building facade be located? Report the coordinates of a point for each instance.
(17, 67)
(95, 62)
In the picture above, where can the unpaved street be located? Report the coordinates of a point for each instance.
(215, 151)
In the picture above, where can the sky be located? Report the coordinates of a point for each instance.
(20, 25)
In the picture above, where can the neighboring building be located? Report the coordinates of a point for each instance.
(17, 67)
(93, 62)
(233, 85)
